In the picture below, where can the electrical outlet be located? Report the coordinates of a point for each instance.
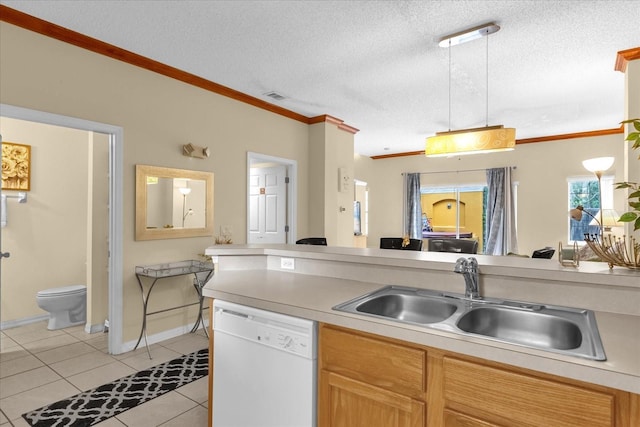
(287, 263)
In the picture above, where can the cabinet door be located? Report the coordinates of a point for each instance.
(349, 403)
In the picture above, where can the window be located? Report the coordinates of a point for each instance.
(459, 209)
(584, 191)
(362, 198)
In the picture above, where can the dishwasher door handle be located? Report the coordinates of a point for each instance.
(224, 311)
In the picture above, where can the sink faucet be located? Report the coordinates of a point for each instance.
(469, 268)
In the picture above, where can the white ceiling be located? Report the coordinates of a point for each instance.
(377, 65)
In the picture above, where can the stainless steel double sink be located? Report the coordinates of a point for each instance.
(557, 329)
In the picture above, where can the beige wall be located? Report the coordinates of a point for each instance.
(47, 236)
(632, 110)
(98, 231)
(330, 207)
(340, 156)
(541, 170)
(158, 115)
(316, 188)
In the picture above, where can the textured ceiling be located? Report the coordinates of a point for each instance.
(377, 65)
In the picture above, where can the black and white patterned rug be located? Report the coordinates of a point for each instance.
(96, 405)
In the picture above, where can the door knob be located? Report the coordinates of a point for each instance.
(5, 254)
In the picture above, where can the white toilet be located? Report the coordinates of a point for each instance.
(67, 306)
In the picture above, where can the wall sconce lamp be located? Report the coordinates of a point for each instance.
(196, 151)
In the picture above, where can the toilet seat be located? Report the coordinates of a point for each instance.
(66, 290)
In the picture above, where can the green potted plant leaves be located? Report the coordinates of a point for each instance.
(634, 197)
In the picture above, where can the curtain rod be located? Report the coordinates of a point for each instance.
(458, 171)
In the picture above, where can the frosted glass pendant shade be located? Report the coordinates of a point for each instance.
(471, 141)
(599, 164)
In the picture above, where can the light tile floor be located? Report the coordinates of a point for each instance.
(38, 367)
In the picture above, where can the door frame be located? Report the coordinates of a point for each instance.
(116, 135)
(292, 192)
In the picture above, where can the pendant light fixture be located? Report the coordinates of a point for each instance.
(476, 140)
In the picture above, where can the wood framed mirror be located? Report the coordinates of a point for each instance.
(173, 203)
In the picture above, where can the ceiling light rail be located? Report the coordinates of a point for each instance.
(471, 34)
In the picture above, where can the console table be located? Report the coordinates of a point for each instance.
(202, 272)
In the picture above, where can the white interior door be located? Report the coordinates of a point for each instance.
(268, 205)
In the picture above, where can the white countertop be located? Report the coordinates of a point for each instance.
(247, 280)
(587, 272)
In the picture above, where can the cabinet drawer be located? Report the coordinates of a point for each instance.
(515, 399)
(380, 363)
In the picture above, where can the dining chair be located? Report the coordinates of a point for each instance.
(463, 246)
(396, 243)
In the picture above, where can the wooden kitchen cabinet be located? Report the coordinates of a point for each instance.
(390, 383)
(507, 397)
(351, 403)
(381, 363)
(366, 382)
(456, 419)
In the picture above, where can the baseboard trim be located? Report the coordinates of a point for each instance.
(94, 329)
(21, 322)
(161, 336)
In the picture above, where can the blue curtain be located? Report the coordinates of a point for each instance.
(500, 231)
(413, 206)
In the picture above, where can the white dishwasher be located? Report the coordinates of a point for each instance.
(264, 368)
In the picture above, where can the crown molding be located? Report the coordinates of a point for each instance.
(333, 120)
(48, 29)
(624, 56)
(549, 138)
(587, 134)
(66, 35)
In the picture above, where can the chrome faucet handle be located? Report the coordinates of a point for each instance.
(468, 267)
(461, 265)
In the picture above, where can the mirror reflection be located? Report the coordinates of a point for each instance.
(173, 203)
(176, 202)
